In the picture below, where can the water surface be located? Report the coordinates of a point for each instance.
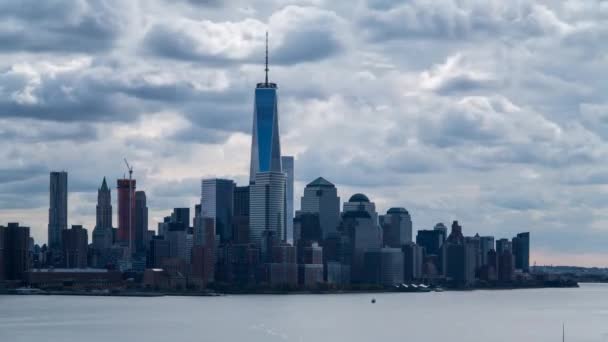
(500, 316)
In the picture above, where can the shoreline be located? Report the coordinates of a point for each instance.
(127, 293)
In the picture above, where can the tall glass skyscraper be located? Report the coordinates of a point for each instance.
(287, 163)
(58, 208)
(217, 202)
(267, 178)
(265, 143)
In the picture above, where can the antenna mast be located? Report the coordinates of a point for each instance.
(266, 82)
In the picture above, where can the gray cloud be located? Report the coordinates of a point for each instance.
(71, 26)
(488, 112)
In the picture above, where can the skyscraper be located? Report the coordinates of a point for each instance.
(126, 214)
(58, 209)
(265, 143)
(358, 202)
(217, 203)
(287, 163)
(16, 256)
(141, 221)
(321, 197)
(397, 227)
(486, 244)
(267, 206)
(521, 250)
(102, 233)
(240, 219)
(75, 241)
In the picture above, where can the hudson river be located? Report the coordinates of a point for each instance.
(484, 316)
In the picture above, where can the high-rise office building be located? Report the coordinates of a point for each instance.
(363, 237)
(159, 250)
(456, 234)
(58, 208)
(180, 218)
(241, 201)
(521, 251)
(358, 202)
(265, 139)
(459, 263)
(413, 257)
(443, 229)
(104, 206)
(392, 267)
(15, 240)
(240, 220)
(267, 206)
(287, 163)
(430, 240)
(321, 197)
(75, 242)
(503, 245)
(486, 244)
(126, 212)
(396, 227)
(217, 203)
(102, 233)
(141, 222)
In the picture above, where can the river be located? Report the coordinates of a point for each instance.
(534, 315)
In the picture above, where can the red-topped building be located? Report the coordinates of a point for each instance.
(126, 211)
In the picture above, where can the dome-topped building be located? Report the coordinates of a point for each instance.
(360, 202)
(358, 198)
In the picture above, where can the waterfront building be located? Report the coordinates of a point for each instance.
(506, 266)
(217, 203)
(58, 208)
(75, 242)
(14, 243)
(203, 254)
(521, 250)
(413, 257)
(79, 279)
(338, 274)
(459, 263)
(287, 163)
(321, 197)
(396, 227)
(391, 266)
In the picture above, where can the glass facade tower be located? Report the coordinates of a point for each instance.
(265, 144)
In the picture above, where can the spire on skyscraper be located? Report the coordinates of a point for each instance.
(266, 69)
(104, 185)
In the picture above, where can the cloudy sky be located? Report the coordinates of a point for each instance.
(490, 112)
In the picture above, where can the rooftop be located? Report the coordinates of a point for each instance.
(321, 182)
(359, 198)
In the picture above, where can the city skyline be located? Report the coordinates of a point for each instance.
(447, 137)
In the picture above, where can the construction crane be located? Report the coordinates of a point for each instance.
(130, 168)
